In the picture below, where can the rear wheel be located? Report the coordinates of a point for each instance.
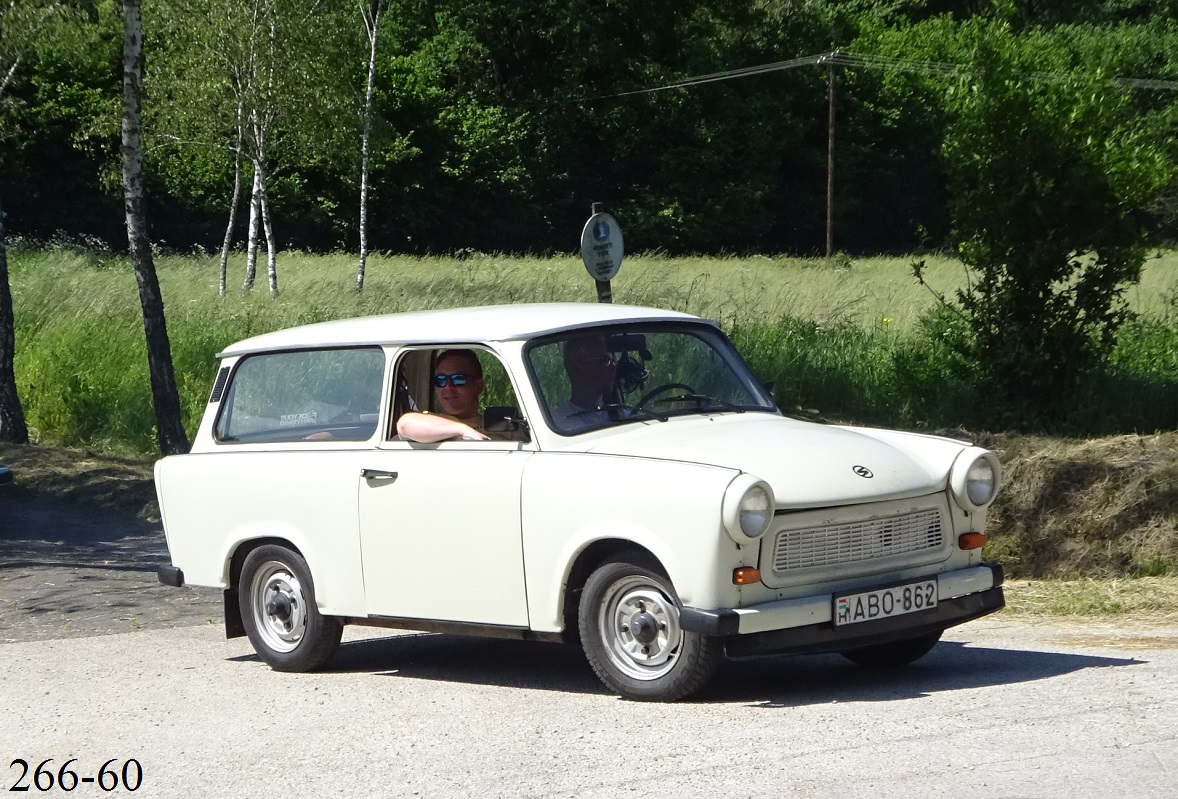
(629, 624)
(895, 653)
(277, 598)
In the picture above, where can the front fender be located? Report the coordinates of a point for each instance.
(670, 508)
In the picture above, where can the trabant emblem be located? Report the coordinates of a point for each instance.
(862, 471)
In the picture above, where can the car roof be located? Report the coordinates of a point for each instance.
(455, 326)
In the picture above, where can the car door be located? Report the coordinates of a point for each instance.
(440, 532)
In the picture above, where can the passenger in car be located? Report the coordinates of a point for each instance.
(458, 384)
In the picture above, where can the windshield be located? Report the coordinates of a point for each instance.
(588, 379)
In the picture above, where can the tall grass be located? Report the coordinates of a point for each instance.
(846, 342)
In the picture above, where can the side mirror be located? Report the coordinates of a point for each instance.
(768, 386)
(504, 419)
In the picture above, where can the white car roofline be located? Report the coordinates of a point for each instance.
(455, 326)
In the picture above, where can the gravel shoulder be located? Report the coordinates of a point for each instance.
(69, 571)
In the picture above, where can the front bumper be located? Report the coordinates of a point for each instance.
(805, 624)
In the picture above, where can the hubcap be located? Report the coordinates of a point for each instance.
(639, 626)
(279, 607)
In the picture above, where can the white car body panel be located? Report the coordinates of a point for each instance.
(564, 511)
(450, 518)
(808, 465)
(317, 514)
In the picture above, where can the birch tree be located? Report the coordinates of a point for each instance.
(221, 69)
(166, 398)
(370, 13)
(260, 103)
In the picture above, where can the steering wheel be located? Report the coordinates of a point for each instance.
(663, 389)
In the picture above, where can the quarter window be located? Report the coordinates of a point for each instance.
(299, 396)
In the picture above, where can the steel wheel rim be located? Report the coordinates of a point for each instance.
(625, 618)
(281, 626)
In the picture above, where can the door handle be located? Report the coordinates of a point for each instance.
(377, 474)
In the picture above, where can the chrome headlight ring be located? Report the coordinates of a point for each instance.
(975, 478)
(748, 508)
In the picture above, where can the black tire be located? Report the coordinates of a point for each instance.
(277, 598)
(895, 653)
(629, 623)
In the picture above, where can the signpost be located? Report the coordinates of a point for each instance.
(602, 250)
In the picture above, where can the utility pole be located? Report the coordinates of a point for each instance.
(830, 156)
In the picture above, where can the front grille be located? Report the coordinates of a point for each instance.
(854, 542)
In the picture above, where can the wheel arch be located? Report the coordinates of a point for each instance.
(234, 622)
(244, 548)
(586, 562)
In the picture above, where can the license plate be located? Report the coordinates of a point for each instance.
(883, 603)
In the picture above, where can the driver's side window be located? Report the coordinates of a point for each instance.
(466, 385)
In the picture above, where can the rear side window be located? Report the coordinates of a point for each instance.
(304, 396)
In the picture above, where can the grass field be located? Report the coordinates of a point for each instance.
(869, 292)
(842, 339)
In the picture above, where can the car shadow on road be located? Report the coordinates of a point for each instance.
(783, 682)
(951, 666)
(480, 661)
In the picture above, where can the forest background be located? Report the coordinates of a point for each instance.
(1031, 144)
(494, 125)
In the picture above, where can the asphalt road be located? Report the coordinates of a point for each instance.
(999, 709)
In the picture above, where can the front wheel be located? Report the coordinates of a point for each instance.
(895, 653)
(277, 598)
(629, 623)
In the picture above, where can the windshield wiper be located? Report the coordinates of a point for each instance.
(634, 410)
(702, 399)
(620, 411)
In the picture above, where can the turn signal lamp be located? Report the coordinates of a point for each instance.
(746, 575)
(971, 540)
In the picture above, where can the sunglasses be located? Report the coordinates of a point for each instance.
(455, 380)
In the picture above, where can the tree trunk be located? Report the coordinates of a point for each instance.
(12, 416)
(172, 438)
(251, 245)
(271, 245)
(372, 23)
(228, 242)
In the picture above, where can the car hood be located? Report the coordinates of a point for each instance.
(808, 465)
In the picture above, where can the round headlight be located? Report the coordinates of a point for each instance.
(980, 482)
(975, 478)
(748, 508)
(756, 510)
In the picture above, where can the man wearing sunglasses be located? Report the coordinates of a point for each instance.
(458, 383)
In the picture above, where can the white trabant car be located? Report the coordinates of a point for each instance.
(675, 519)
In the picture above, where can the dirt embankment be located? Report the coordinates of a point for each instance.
(1103, 507)
(1069, 508)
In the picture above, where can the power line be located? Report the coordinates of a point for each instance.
(730, 74)
(870, 62)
